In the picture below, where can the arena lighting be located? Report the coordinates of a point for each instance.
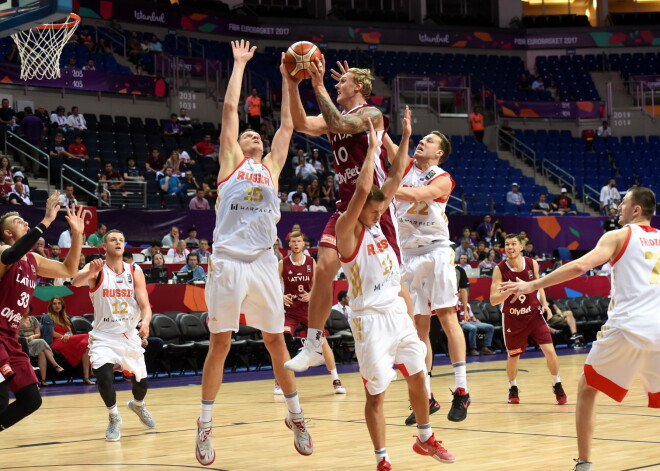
(549, 2)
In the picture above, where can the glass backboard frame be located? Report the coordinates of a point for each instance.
(21, 15)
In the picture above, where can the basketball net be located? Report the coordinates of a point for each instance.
(40, 48)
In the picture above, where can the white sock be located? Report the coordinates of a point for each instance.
(425, 431)
(138, 403)
(380, 454)
(427, 383)
(293, 403)
(206, 411)
(555, 379)
(334, 374)
(113, 410)
(513, 382)
(460, 375)
(315, 336)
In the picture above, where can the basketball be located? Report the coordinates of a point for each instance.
(299, 56)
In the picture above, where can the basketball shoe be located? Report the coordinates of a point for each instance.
(384, 465)
(559, 394)
(113, 433)
(459, 405)
(338, 387)
(434, 406)
(513, 395)
(433, 448)
(302, 440)
(204, 451)
(142, 413)
(277, 390)
(582, 465)
(309, 355)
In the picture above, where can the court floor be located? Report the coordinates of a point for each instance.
(67, 433)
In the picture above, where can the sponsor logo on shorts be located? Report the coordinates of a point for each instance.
(515, 351)
(329, 239)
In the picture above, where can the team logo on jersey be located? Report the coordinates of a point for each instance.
(290, 272)
(130, 278)
(120, 281)
(530, 273)
(309, 269)
(429, 175)
(34, 269)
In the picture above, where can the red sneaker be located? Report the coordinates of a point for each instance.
(384, 465)
(560, 394)
(513, 395)
(433, 448)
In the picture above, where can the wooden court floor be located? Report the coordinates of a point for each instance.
(67, 433)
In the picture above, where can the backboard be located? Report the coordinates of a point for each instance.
(20, 15)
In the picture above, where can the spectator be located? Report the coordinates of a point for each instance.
(179, 252)
(153, 249)
(523, 237)
(205, 148)
(57, 148)
(155, 162)
(89, 65)
(175, 164)
(139, 70)
(203, 251)
(144, 45)
(199, 202)
(300, 155)
(490, 261)
(192, 241)
(38, 347)
(563, 203)
(171, 184)
(185, 122)
(469, 323)
(542, 206)
(477, 124)
(537, 84)
(467, 235)
(76, 120)
(481, 252)
(173, 128)
(328, 197)
(300, 189)
(71, 63)
(115, 26)
(318, 162)
(190, 182)
(6, 167)
(40, 248)
(342, 304)
(523, 83)
(506, 134)
(561, 319)
(514, 196)
(604, 131)
(12, 56)
(96, 239)
(486, 229)
(588, 136)
(294, 228)
(253, 110)
(77, 149)
(464, 249)
(528, 251)
(18, 196)
(192, 265)
(498, 234)
(132, 172)
(313, 190)
(609, 197)
(277, 245)
(59, 121)
(43, 115)
(73, 347)
(5, 187)
(32, 128)
(463, 262)
(612, 222)
(268, 117)
(155, 45)
(184, 157)
(172, 238)
(317, 207)
(7, 114)
(158, 273)
(55, 252)
(134, 48)
(297, 205)
(110, 183)
(85, 38)
(67, 199)
(284, 204)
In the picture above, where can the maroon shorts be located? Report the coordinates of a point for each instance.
(387, 224)
(291, 323)
(16, 361)
(517, 329)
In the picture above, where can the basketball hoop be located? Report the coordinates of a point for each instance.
(40, 48)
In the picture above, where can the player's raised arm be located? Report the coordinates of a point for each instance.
(88, 274)
(230, 152)
(310, 125)
(400, 161)
(279, 149)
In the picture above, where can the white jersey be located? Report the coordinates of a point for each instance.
(116, 310)
(372, 272)
(423, 225)
(635, 290)
(246, 211)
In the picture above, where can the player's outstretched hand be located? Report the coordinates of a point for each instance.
(53, 205)
(242, 51)
(515, 288)
(96, 265)
(316, 70)
(74, 216)
(374, 141)
(287, 78)
(406, 124)
(343, 68)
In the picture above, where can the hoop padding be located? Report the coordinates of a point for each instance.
(40, 48)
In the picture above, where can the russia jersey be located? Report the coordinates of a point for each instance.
(525, 303)
(116, 310)
(246, 211)
(297, 278)
(372, 271)
(635, 291)
(423, 225)
(349, 151)
(16, 290)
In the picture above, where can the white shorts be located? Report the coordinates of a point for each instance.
(431, 280)
(615, 360)
(123, 351)
(250, 290)
(385, 339)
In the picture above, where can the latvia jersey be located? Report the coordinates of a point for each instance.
(246, 211)
(636, 284)
(423, 225)
(525, 303)
(297, 278)
(116, 310)
(372, 272)
(16, 290)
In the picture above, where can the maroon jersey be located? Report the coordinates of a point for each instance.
(526, 303)
(297, 278)
(349, 151)
(16, 289)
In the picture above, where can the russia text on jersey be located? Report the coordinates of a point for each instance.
(255, 177)
(117, 293)
(380, 247)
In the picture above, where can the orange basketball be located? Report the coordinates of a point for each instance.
(298, 58)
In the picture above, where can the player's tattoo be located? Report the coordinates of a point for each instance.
(348, 123)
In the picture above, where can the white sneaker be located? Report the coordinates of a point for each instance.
(142, 413)
(277, 390)
(338, 387)
(302, 440)
(204, 451)
(113, 433)
(309, 355)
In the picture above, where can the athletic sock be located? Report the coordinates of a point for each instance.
(425, 431)
(113, 410)
(138, 403)
(513, 382)
(206, 411)
(555, 379)
(334, 374)
(315, 336)
(293, 403)
(460, 375)
(380, 454)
